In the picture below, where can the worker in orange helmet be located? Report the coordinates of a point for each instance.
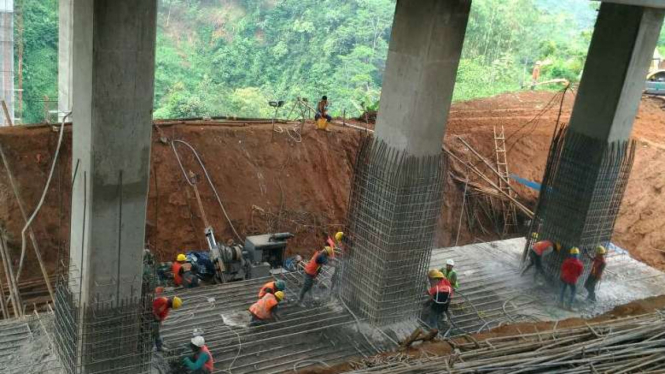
(312, 270)
(272, 287)
(537, 252)
(265, 309)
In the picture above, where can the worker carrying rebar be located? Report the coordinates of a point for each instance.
(571, 269)
(201, 362)
(597, 269)
(538, 251)
(450, 273)
(440, 293)
(160, 310)
(312, 270)
(272, 287)
(184, 272)
(265, 309)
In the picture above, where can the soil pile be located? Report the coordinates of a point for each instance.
(270, 182)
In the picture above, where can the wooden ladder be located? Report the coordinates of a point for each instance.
(508, 209)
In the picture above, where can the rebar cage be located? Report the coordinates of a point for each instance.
(584, 183)
(394, 205)
(105, 336)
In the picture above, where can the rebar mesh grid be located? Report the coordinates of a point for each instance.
(393, 209)
(109, 336)
(584, 183)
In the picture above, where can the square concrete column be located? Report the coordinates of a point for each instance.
(65, 57)
(396, 194)
(590, 161)
(113, 84)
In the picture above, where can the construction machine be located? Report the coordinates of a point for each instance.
(254, 259)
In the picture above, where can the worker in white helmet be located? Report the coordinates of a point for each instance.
(201, 361)
(450, 273)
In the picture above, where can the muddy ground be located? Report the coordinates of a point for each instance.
(269, 182)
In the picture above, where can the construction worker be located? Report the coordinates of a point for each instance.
(160, 310)
(450, 273)
(322, 109)
(571, 269)
(265, 308)
(596, 273)
(440, 294)
(184, 272)
(272, 287)
(201, 361)
(313, 268)
(337, 243)
(540, 249)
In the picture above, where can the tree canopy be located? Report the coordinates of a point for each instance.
(230, 57)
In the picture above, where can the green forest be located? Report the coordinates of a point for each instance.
(230, 57)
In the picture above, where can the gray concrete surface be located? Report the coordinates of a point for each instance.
(65, 56)
(616, 67)
(425, 49)
(114, 59)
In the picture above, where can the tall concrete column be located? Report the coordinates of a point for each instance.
(65, 57)
(114, 60)
(397, 191)
(589, 164)
(7, 59)
(103, 312)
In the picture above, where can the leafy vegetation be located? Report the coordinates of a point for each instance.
(230, 57)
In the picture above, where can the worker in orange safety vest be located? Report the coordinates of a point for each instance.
(265, 308)
(272, 287)
(312, 270)
(538, 251)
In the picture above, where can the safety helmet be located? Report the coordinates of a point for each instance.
(298, 258)
(279, 295)
(574, 251)
(450, 262)
(328, 250)
(176, 302)
(279, 284)
(339, 236)
(181, 258)
(198, 341)
(435, 274)
(601, 250)
(534, 235)
(557, 246)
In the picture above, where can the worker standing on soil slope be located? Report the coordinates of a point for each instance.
(160, 310)
(266, 308)
(201, 362)
(571, 269)
(450, 273)
(440, 293)
(596, 273)
(312, 270)
(322, 112)
(538, 251)
(271, 287)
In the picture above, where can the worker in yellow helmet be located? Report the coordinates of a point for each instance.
(440, 294)
(313, 269)
(160, 310)
(265, 309)
(337, 264)
(597, 269)
(571, 269)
